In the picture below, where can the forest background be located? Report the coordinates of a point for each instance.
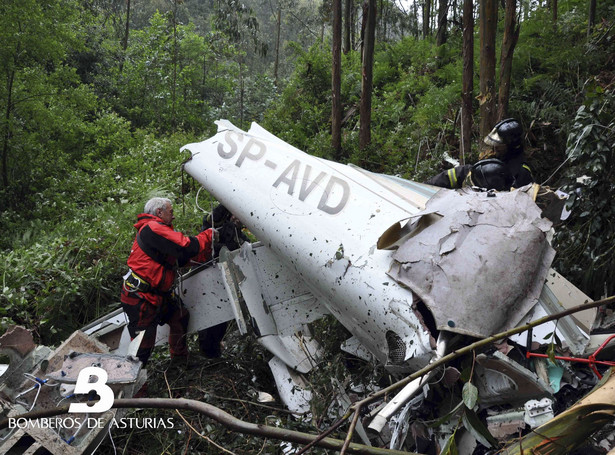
(98, 96)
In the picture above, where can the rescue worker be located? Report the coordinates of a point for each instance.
(230, 235)
(501, 167)
(147, 292)
(228, 227)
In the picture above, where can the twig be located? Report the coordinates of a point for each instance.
(253, 403)
(187, 443)
(263, 447)
(350, 433)
(190, 426)
(324, 434)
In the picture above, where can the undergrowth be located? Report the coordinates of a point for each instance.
(232, 383)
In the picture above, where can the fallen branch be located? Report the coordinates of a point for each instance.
(325, 433)
(478, 344)
(189, 425)
(350, 433)
(225, 419)
(357, 406)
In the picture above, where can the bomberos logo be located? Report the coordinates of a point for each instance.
(91, 379)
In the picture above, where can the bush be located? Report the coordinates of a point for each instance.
(586, 248)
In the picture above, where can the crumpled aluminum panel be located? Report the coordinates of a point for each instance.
(482, 265)
(121, 369)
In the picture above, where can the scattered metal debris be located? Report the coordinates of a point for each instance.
(38, 378)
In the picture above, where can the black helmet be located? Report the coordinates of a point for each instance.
(221, 215)
(491, 174)
(507, 132)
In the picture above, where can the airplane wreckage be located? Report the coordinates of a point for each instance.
(412, 271)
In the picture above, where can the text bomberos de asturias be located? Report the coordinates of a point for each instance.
(92, 422)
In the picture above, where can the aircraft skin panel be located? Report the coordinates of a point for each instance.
(287, 299)
(205, 297)
(415, 193)
(322, 224)
(205, 286)
(482, 266)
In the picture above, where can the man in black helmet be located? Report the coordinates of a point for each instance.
(231, 236)
(501, 167)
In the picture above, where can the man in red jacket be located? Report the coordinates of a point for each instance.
(147, 293)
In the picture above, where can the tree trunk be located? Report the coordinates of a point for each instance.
(416, 31)
(175, 58)
(455, 12)
(426, 17)
(488, 27)
(203, 86)
(509, 41)
(366, 82)
(441, 35)
(554, 11)
(363, 29)
(353, 21)
(7, 131)
(336, 81)
(591, 21)
(241, 93)
(467, 80)
(126, 32)
(383, 19)
(347, 22)
(277, 46)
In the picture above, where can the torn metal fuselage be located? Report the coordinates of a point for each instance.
(368, 247)
(321, 221)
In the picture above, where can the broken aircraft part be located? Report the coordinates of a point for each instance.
(29, 384)
(395, 262)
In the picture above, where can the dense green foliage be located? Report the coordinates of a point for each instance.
(91, 130)
(589, 237)
(63, 261)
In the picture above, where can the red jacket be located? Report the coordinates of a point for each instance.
(156, 253)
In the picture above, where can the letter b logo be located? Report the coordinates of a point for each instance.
(100, 386)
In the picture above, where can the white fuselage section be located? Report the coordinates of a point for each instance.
(323, 221)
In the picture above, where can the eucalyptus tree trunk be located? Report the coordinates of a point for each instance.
(554, 11)
(175, 62)
(441, 35)
(488, 28)
(277, 45)
(336, 81)
(125, 38)
(353, 21)
(592, 16)
(365, 110)
(591, 20)
(241, 92)
(347, 22)
(509, 42)
(383, 19)
(467, 80)
(426, 17)
(416, 31)
(8, 113)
